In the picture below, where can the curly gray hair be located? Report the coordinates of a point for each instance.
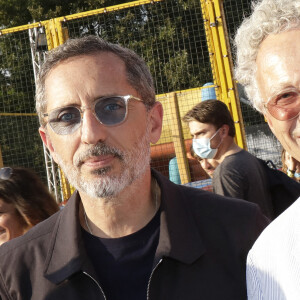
(137, 72)
(268, 17)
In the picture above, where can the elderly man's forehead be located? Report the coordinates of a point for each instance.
(277, 63)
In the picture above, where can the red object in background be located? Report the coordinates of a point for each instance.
(162, 153)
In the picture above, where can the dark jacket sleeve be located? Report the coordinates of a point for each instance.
(261, 222)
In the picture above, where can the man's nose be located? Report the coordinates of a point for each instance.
(92, 131)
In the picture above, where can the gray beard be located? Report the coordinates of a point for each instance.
(134, 164)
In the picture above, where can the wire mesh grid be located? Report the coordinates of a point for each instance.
(170, 36)
(19, 139)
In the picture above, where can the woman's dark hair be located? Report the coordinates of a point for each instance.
(30, 196)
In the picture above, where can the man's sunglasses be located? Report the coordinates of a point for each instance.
(5, 173)
(284, 106)
(109, 111)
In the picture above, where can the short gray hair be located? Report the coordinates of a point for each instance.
(268, 17)
(138, 74)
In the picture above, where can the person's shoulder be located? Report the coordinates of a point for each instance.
(202, 202)
(214, 215)
(235, 219)
(238, 164)
(282, 231)
(238, 156)
(274, 255)
(230, 163)
(205, 201)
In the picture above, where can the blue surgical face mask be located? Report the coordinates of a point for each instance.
(202, 147)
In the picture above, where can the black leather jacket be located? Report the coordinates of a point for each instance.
(203, 244)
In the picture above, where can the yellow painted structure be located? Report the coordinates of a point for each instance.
(221, 62)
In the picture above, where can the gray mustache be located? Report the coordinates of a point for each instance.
(99, 149)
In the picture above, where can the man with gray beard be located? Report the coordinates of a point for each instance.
(134, 163)
(127, 232)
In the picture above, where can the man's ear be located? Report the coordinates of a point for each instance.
(47, 142)
(156, 118)
(224, 131)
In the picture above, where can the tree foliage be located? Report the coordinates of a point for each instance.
(19, 12)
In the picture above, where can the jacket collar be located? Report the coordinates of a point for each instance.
(179, 238)
(66, 254)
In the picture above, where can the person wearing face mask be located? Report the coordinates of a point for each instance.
(234, 171)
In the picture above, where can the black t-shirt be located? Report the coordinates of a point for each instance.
(124, 265)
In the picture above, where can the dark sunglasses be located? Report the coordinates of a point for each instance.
(109, 111)
(5, 173)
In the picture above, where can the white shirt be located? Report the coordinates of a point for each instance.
(273, 263)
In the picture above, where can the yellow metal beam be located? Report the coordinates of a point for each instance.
(221, 62)
(1, 159)
(108, 9)
(76, 16)
(48, 33)
(65, 186)
(211, 48)
(54, 33)
(59, 32)
(23, 27)
(232, 98)
(215, 36)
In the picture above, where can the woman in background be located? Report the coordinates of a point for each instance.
(24, 202)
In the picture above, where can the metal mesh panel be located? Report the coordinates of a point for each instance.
(260, 140)
(19, 139)
(170, 36)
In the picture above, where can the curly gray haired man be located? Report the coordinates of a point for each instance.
(267, 64)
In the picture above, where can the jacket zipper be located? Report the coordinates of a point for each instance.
(148, 287)
(100, 288)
